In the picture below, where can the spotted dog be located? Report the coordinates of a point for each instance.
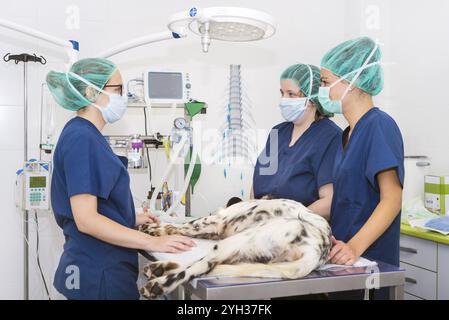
(260, 238)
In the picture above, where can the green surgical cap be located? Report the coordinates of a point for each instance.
(95, 70)
(300, 75)
(349, 56)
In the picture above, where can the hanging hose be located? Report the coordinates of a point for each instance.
(176, 155)
(186, 181)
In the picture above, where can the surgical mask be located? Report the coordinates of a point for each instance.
(336, 106)
(292, 109)
(116, 107)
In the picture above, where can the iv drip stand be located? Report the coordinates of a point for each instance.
(25, 58)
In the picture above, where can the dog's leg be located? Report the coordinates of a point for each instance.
(230, 221)
(280, 238)
(209, 227)
(223, 224)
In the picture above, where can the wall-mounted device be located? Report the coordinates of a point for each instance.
(133, 147)
(163, 87)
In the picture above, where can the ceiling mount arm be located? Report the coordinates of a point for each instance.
(166, 35)
(36, 34)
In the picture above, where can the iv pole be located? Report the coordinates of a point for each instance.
(25, 58)
(71, 48)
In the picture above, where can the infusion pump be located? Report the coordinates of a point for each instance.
(33, 186)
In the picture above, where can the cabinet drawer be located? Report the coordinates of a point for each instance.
(443, 272)
(418, 252)
(420, 282)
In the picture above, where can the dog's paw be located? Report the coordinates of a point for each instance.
(165, 284)
(152, 290)
(159, 268)
(147, 226)
(153, 229)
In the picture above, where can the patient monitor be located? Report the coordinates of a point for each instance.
(166, 87)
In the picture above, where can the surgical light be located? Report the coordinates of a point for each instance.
(225, 24)
(215, 23)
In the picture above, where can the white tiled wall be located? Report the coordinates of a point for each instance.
(415, 93)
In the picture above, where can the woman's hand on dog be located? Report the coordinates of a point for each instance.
(170, 244)
(342, 253)
(146, 217)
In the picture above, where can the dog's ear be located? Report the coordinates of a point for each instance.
(267, 197)
(232, 201)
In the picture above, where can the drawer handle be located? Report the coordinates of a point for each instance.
(422, 164)
(411, 280)
(409, 250)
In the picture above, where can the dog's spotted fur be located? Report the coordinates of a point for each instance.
(261, 238)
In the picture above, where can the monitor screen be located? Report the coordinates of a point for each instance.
(38, 182)
(165, 85)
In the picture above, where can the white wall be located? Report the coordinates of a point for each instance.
(413, 34)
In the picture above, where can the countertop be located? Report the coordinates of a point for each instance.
(424, 234)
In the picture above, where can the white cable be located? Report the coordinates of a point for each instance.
(150, 126)
(32, 252)
(189, 174)
(150, 178)
(173, 159)
(166, 214)
(173, 111)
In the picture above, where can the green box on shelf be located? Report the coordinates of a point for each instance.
(436, 194)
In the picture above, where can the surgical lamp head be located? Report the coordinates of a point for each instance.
(224, 23)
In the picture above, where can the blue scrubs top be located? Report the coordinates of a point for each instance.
(90, 268)
(375, 145)
(297, 172)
